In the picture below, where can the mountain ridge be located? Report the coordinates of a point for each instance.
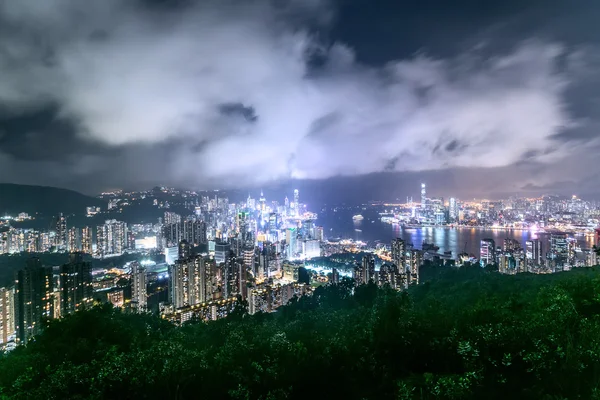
(44, 200)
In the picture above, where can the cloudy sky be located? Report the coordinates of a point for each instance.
(475, 98)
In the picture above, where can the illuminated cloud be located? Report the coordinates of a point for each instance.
(227, 93)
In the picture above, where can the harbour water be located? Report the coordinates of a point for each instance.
(339, 224)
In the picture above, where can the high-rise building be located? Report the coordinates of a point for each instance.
(33, 299)
(74, 240)
(533, 253)
(86, 240)
(194, 232)
(453, 209)
(111, 238)
(291, 239)
(399, 254)
(179, 284)
(511, 246)
(423, 196)
(365, 272)
(388, 275)
(235, 278)
(487, 252)
(171, 218)
(200, 277)
(76, 291)
(7, 315)
(185, 250)
(61, 232)
(414, 262)
(191, 281)
(559, 249)
(139, 293)
(172, 234)
(222, 251)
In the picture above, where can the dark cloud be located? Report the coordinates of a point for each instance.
(471, 95)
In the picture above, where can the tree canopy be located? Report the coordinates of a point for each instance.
(467, 334)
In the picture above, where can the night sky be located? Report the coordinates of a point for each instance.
(476, 98)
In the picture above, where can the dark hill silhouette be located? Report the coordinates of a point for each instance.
(44, 200)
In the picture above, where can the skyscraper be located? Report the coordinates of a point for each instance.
(179, 284)
(139, 294)
(423, 196)
(533, 253)
(76, 291)
(61, 232)
(414, 266)
(74, 240)
(33, 299)
(559, 249)
(399, 254)
(7, 314)
(453, 209)
(487, 252)
(111, 238)
(86, 240)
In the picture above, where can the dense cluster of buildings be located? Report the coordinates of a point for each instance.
(560, 253)
(546, 212)
(220, 255)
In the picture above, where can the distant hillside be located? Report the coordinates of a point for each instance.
(44, 200)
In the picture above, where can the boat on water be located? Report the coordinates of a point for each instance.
(430, 246)
(358, 217)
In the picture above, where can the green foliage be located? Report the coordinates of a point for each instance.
(468, 334)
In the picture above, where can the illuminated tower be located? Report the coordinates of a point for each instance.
(76, 291)
(61, 232)
(487, 252)
(263, 202)
(34, 302)
(423, 196)
(7, 314)
(139, 294)
(86, 240)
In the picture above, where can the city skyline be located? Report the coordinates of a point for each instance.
(484, 99)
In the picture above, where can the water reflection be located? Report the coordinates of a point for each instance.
(455, 240)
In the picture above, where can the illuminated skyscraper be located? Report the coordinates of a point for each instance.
(86, 240)
(222, 251)
(33, 299)
(423, 196)
(74, 240)
(487, 252)
(291, 239)
(179, 284)
(414, 262)
(139, 294)
(171, 218)
(7, 314)
(559, 249)
(453, 209)
(76, 291)
(185, 250)
(388, 274)
(399, 254)
(61, 232)
(191, 281)
(111, 238)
